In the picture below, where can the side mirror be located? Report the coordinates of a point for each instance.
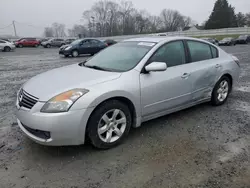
(156, 66)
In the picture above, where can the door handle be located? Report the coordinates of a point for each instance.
(217, 66)
(185, 75)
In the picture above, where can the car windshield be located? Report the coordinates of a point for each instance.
(121, 57)
(76, 41)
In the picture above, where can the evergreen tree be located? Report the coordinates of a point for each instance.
(222, 16)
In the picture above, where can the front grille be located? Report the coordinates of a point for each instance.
(26, 100)
(38, 133)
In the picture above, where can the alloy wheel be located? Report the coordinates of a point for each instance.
(112, 125)
(223, 90)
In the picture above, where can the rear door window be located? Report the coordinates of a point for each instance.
(199, 51)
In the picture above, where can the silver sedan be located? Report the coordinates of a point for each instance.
(124, 85)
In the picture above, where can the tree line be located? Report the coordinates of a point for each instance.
(109, 18)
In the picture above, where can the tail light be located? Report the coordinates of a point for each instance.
(236, 60)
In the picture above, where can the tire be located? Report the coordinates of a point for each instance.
(221, 92)
(36, 46)
(113, 134)
(48, 46)
(75, 53)
(20, 45)
(6, 49)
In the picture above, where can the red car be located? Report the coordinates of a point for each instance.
(27, 42)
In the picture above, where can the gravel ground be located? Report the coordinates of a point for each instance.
(203, 146)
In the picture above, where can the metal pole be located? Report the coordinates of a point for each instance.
(13, 22)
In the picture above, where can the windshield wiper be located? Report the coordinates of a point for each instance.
(96, 67)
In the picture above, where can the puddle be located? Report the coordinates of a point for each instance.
(243, 88)
(233, 149)
(243, 106)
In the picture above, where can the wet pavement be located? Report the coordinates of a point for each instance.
(202, 146)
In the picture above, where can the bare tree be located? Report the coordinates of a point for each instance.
(48, 32)
(108, 18)
(248, 19)
(77, 30)
(172, 20)
(58, 29)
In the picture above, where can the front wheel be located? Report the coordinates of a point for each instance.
(75, 53)
(109, 124)
(221, 91)
(6, 49)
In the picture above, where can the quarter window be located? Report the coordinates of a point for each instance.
(172, 53)
(199, 51)
(214, 52)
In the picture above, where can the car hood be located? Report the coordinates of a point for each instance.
(49, 84)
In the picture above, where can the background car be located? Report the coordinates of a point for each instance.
(109, 42)
(6, 46)
(243, 39)
(229, 41)
(55, 42)
(5, 39)
(69, 41)
(212, 40)
(27, 42)
(82, 46)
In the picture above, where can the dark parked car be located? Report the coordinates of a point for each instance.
(82, 46)
(69, 41)
(27, 42)
(109, 42)
(211, 40)
(229, 41)
(53, 42)
(243, 39)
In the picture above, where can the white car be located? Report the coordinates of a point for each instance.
(6, 46)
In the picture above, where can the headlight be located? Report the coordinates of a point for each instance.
(68, 48)
(63, 101)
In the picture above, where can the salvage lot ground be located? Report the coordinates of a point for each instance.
(203, 146)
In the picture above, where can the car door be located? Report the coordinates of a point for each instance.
(25, 42)
(84, 47)
(161, 91)
(95, 46)
(204, 68)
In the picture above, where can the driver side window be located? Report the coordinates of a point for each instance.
(172, 53)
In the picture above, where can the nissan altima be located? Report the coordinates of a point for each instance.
(131, 82)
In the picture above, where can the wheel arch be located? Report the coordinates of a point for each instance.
(124, 100)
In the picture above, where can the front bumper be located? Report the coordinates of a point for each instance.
(65, 52)
(55, 129)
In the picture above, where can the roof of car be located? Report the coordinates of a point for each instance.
(158, 39)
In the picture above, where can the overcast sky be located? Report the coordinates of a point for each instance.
(33, 15)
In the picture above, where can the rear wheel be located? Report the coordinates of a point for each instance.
(109, 124)
(48, 46)
(75, 53)
(20, 45)
(221, 91)
(6, 49)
